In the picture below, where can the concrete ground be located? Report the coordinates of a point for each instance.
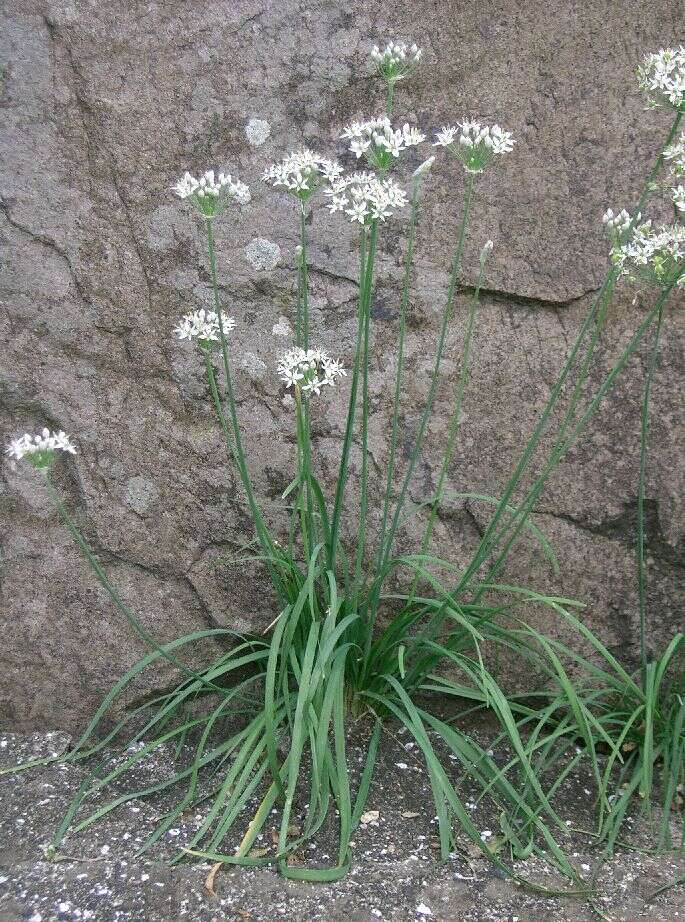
(395, 875)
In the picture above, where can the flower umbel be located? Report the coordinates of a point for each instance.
(396, 61)
(309, 370)
(617, 225)
(211, 193)
(655, 255)
(662, 76)
(474, 144)
(301, 173)
(203, 326)
(39, 450)
(379, 142)
(363, 197)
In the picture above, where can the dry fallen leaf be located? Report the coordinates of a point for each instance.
(295, 859)
(243, 913)
(291, 832)
(471, 849)
(211, 877)
(410, 815)
(371, 816)
(259, 852)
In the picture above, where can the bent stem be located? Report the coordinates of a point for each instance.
(114, 595)
(644, 439)
(562, 447)
(594, 318)
(521, 512)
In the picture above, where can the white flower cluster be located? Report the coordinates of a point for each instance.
(211, 193)
(379, 141)
(309, 370)
(676, 154)
(662, 76)
(475, 144)
(39, 449)
(396, 61)
(203, 326)
(655, 255)
(363, 197)
(617, 224)
(301, 172)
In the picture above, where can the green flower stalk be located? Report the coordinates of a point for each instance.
(455, 421)
(395, 62)
(446, 317)
(644, 447)
(418, 176)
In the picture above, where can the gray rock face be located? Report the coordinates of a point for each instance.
(104, 106)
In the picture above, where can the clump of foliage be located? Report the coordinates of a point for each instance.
(268, 718)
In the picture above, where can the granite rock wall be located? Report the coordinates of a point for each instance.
(103, 106)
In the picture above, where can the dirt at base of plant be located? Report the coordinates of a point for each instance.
(396, 874)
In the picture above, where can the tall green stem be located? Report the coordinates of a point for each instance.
(594, 319)
(492, 537)
(447, 314)
(454, 423)
(305, 454)
(304, 277)
(238, 453)
(399, 372)
(363, 488)
(524, 509)
(390, 98)
(564, 443)
(367, 256)
(644, 444)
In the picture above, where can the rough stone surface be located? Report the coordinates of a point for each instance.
(104, 106)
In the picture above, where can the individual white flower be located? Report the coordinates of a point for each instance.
(423, 169)
(676, 154)
(302, 172)
(662, 76)
(396, 61)
(654, 255)
(39, 450)
(474, 144)
(211, 193)
(379, 142)
(203, 326)
(363, 197)
(488, 247)
(309, 370)
(678, 197)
